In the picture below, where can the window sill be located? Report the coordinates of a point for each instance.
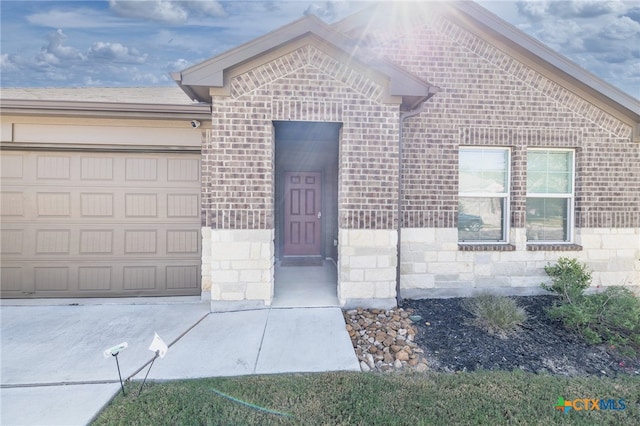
(486, 247)
(554, 247)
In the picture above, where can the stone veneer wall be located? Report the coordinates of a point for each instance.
(433, 266)
(237, 268)
(367, 262)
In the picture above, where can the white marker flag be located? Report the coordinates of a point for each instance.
(159, 345)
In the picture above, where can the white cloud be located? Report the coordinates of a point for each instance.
(179, 64)
(7, 64)
(155, 10)
(56, 53)
(564, 36)
(332, 10)
(148, 78)
(586, 8)
(116, 52)
(600, 36)
(166, 11)
(620, 28)
(209, 8)
(544, 9)
(76, 18)
(90, 81)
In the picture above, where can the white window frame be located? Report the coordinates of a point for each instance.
(506, 195)
(570, 197)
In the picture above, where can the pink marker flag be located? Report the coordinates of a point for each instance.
(159, 345)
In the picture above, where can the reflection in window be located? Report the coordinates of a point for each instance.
(549, 195)
(483, 194)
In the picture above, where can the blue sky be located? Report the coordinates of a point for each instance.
(138, 43)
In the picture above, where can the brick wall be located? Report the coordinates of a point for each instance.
(305, 85)
(488, 98)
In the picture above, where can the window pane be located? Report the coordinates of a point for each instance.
(547, 219)
(558, 183)
(549, 172)
(481, 219)
(483, 170)
(536, 161)
(536, 182)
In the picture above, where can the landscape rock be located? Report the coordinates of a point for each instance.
(383, 340)
(402, 356)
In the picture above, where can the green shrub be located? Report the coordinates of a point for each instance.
(611, 317)
(569, 278)
(498, 315)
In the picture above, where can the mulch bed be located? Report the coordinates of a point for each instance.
(451, 343)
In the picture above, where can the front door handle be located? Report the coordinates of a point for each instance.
(319, 215)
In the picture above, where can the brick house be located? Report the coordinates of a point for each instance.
(435, 153)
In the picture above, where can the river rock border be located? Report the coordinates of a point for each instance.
(384, 340)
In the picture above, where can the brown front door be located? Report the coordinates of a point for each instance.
(302, 217)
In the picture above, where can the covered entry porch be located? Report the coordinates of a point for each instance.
(300, 73)
(306, 213)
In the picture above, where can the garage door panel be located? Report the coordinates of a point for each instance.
(96, 241)
(96, 204)
(100, 224)
(12, 203)
(182, 277)
(11, 166)
(139, 277)
(183, 170)
(138, 241)
(141, 205)
(95, 278)
(183, 205)
(11, 279)
(138, 169)
(53, 203)
(11, 241)
(53, 167)
(52, 278)
(96, 168)
(179, 241)
(53, 241)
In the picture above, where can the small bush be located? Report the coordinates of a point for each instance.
(569, 278)
(611, 317)
(496, 314)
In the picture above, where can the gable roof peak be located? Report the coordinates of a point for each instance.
(198, 79)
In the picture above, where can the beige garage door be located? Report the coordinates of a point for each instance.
(86, 224)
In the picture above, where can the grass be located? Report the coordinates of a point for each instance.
(498, 315)
(489, 398)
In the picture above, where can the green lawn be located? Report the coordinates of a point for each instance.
(375, 399)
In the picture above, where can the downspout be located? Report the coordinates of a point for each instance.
(403, 116)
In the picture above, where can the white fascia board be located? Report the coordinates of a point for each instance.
(51, 107)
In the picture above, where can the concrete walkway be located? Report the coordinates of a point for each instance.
(53, 370)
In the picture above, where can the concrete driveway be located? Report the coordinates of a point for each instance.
(53, 370)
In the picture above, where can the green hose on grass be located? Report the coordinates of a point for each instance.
(248, 404)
